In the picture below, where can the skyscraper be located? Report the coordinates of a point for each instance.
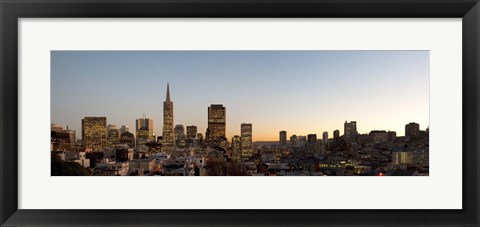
(336, 134)
(179, 131)
(144, 124)
(293, 140)
(191, 132)
(216, 125)
(94, 132)
(283, 138)
(113, 135)
(200, 138)
(168, 140)
(61, 139)
(312, 138)
(246, 140)
(143, 136)
(412, 130)
(350, 132)
(127, 138)
(111, 126)
(236, 146)
(123, 129)
(325, 138)
(191, 138)
(73, 136)
(180, 138)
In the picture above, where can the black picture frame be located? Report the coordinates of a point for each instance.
(12, 10)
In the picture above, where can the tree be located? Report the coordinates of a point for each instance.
(236, 169)
(61, 168)
(216, 167)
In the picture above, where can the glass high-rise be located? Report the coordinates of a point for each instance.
(144, 124)
(113, 135)
(94, 132)
(216, 131)
(246, 140)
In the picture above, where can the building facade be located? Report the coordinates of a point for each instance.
(180, 137)
(94, 132)
(311, 138)
(179, 131)
(144, 130)
(246, 140)
(350, 132)
(143, 136)
(325, 138)
(236, 148)
(412, 130)
(191, 132)
(168, 139)
(216, 130)
(379, 136)
(113, 135)
(293, 140)
(61, 139)
(127, 138)
(336, 134)
(283, 138)
(391, 136)
(123, 129)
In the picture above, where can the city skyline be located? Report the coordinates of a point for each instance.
(122, 85)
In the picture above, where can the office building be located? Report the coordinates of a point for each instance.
(60, 139)
(336, 134)
(143, 136)
(325, 138)
(123, 129)
(127, 138)
(168, 139)
(293, 140)
(180, 137)
(144, 129)
(379, 136)
(246, 140)
(350, 132)
(391, 136)
(94, 132)
(283, 138)
(191, 132)
(179, 132)
(311, 138)
(302, 139)
(113, 135)
(412, 130)
(216, 130)
(236, 148)
(200, 138)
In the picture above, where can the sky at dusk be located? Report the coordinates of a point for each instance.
(302, 92)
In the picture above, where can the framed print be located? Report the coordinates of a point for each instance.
(232, 113)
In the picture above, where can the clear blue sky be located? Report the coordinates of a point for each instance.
(301, 92)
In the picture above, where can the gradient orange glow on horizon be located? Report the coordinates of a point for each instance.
(301, 92)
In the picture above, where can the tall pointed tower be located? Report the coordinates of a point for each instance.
(168, 139)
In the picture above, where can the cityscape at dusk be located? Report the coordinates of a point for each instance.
(240, 113)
